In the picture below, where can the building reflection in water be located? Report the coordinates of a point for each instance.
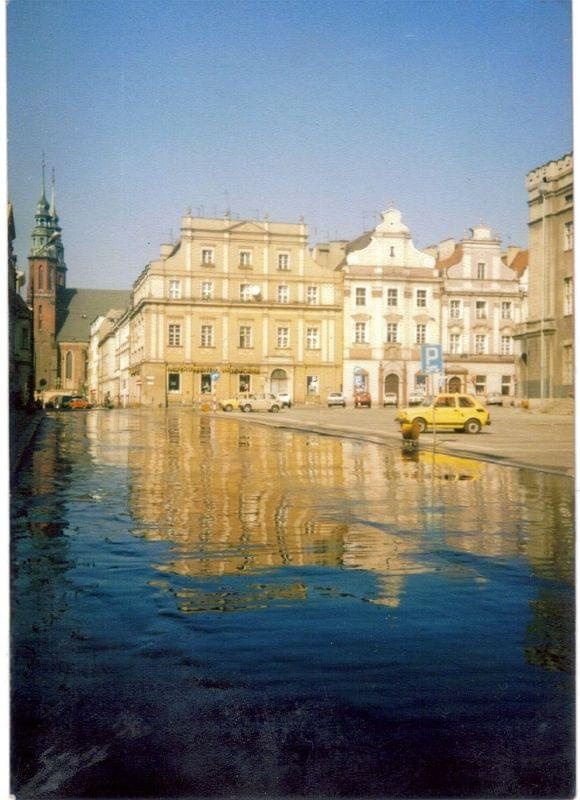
(232, 498)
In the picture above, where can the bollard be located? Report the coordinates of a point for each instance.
(410, 432)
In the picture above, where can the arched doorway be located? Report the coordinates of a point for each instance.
(392, 384)
(279, 381)
(454, 386)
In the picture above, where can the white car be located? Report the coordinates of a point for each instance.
(416, 399)
(336, 399)
(259, 402)
(285, 400)
(390, 399)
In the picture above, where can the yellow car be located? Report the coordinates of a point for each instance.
(230, 404)
(458, 412)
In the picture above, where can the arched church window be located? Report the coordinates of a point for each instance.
(41, 278)
(39, 318)
(68, 365)
(50, 277)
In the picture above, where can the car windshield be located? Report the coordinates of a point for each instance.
(427, 401)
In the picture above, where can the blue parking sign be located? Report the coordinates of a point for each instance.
(431, 358)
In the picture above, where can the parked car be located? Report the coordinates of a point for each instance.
(390, 399)
(78, 402)
(448, 412)
(230, 404)
(416, 399)
(336, 399)
(62, 402)
(362, 399)
(494, 399)
(285, 400)
(259, 402)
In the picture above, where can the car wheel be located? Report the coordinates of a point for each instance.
(228, 407)
(472, 426)
(421, 423)
(274, 409)
(247, 408)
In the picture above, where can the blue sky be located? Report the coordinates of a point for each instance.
(326, 110)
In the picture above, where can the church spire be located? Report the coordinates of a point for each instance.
(53, 213)
(42, 205)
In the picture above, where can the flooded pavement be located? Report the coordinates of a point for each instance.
(203, 606)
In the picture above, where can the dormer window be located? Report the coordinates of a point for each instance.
(284, 261)
(245, 258)
(481, 271)
(392, 253)
(207, 255)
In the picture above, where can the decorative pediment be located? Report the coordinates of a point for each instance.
(361, 317)
(247, 227)
(422, 319)
(393, 317)
(390, 245)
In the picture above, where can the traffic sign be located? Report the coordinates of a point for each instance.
(431, 358)
(215, 375)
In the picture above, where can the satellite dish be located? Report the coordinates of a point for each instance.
(255, 291)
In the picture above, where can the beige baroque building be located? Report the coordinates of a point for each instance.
(234, 306)
(546, 366)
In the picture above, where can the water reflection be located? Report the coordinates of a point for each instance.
(234, 499)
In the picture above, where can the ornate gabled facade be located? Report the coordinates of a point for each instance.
(546, 366)
(482, 302)
(391, 307)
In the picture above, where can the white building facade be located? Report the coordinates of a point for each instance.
(391, 307)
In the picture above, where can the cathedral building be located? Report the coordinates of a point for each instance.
(61, 315)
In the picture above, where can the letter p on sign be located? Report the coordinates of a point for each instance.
(431, 358)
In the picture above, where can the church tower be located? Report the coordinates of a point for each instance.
(46, 284)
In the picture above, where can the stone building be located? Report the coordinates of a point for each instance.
(391, 307)
(234, 306)
(62, 316)
(546, 366)
(20, 330)
(482, 300)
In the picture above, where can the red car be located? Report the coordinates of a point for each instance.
(362, 399)
(75, 402)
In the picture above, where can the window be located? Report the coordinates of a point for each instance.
(392, 297)
(568, 295)
(506, 345)
(455, 343)
(245, 258)
(392, 332)
(360, 296)
(506, 385)
(455, 309)
(41, 278)
(480, 344)
(466, 402)
(312, 295)
(174, 335)
(567, 364)
(174, 290)
(283, 294)
(283, 337)
(421, 298)
(207, 335)
(312, 338)
(68, 366)
(420, 334)
(39, 318)
(25, 338)
(245, 292)
(392, 253)
(244, 382)
(360, 332)
(284, 261)
(312, 385)
(481, 270)
(49, 276)
(245, 336)
(173, 382)
(506, 310)
(206, 386)
(206, 290)
(480, 384)
(568, 235)
(480, 309)
(207, 255)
